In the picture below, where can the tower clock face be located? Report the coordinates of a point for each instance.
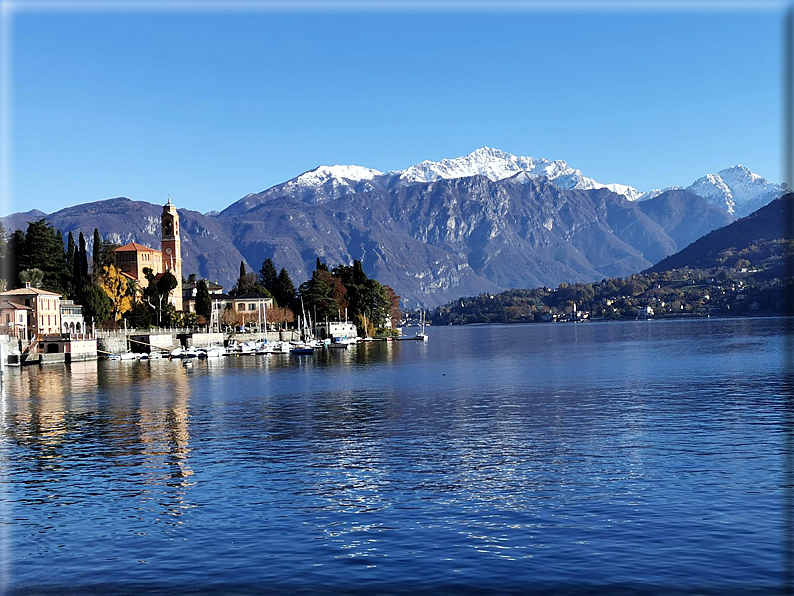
(168, 250)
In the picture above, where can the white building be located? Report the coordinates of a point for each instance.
(336, 330)
(72, 317)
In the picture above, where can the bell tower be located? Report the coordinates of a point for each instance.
(171, 245)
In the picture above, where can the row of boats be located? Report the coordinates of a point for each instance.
(238, 349)
(256, 347)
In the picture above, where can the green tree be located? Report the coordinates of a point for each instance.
(318, 295)
(285, 290)
(16, 248)
(40, 248)
(5, 270)
(71, 251)
(35, 277)
(268, 276)
(81, 274)
(107, 256)
(166, 284)
(245, 285)
(96, 259)
(140, 315)
(203, 299)
(96, 305)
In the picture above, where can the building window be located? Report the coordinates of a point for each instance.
(241, 306)
(252, 307)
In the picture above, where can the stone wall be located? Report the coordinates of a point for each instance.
(206, 339)
(114, 344)
(271, 336)
(80, 350)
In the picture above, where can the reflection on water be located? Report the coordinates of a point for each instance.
(643, 455)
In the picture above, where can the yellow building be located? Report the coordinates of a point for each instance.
(133, 258)
(43, 310)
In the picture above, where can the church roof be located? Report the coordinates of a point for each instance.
(136, 247)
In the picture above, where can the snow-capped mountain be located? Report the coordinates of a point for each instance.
(496, 164)
(736, 190)
(330, 182)
(324, 183)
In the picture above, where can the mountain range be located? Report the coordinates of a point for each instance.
(484, 222)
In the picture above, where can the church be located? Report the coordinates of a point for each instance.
(133, 258)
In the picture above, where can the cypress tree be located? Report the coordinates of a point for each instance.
(63, 272)
(5, 273)
(71, 250)
(16, 248)
(82, 263)
(96, 256)
(203, 299)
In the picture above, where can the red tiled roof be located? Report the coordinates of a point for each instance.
(14, 305)
(136, 247)
(28, 292)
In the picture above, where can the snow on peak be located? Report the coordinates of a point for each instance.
(496, 164)
(736, 189)
(322, 174)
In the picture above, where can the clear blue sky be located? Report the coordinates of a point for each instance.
(211, 106)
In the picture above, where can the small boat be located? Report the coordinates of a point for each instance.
(301, 349)
(128, 356)
(177, 353)
(278, 347)
(421, 336)
(113, 357)
(155, 356)
(247, 348)
(215, 352)
(190, 353)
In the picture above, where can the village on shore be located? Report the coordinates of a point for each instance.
(135, 303)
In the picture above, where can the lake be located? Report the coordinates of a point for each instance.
(645, 457)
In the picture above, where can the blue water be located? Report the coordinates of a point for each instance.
(642, 457)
